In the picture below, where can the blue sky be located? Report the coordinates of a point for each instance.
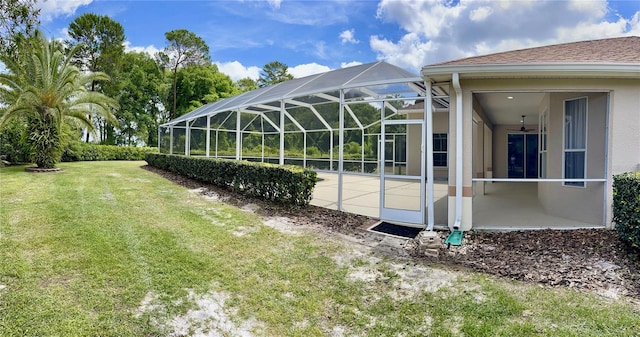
(316, 36)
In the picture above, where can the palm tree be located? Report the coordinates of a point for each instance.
(47, 90)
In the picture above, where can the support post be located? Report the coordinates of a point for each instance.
(304, 154)
(187, 139)
(171, 140)
(341, 150)
(281, 158)
(428, 134)
(331, 151)
(208, 136)
(238, 137)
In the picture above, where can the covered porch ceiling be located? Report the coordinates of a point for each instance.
(507, 108)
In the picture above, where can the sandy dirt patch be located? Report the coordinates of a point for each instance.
(209, 317)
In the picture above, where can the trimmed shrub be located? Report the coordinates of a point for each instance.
(13, 147)
(78, 151)
(285, 184)
(626, 207)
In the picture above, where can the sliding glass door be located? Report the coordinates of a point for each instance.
(522, 155)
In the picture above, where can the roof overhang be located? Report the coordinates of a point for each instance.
(532, 70)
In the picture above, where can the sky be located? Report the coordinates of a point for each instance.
(316, 36)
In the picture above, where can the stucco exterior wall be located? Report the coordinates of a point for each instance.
(624, 125)
(576, 203)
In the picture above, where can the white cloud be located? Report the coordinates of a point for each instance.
(303, 70)
(480, 14)
(275, 3)
(409, 52)
(634, 24)
(235, 70)
(50, 9)
(347, 36)
(307, 13)
(594, 8)
(320, 49)
(429, 18)
(441, 30)
(63, 34)
(151, 49)
(592, 30)
(350, 64)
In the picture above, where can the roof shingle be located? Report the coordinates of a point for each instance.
(624, 50)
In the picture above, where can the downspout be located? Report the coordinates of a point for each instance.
(456, 87)
(606, 163)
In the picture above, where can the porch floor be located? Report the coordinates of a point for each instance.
(504, 206)
(361, 195)
(515, 206)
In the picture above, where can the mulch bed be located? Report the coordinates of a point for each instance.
(590, 259)
(42, 170)
(593, 259)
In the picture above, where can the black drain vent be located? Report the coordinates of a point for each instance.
(397, 230)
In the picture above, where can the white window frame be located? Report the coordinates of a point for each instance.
(564, 145)
(542, 144)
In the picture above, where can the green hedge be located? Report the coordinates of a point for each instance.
(13, 148)
(285, 184)
(626, 207)
(78, 151)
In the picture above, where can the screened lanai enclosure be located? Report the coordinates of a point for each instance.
(363, 128)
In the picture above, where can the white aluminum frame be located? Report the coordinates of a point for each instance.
(395, 214)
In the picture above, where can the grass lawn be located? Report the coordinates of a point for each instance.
(110, 249)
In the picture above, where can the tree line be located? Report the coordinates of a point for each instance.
(142, 90)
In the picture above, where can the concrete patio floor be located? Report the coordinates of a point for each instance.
(504, 206)
(361, 195)
(515, 206)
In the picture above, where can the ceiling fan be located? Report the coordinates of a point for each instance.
(522, 128)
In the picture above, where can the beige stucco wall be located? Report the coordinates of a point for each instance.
(623, 144)
(576, 203)
(624, 125)
(483, 143)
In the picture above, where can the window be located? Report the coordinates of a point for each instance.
(575, 140)
(440, 149)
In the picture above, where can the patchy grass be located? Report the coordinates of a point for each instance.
(109, 249)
